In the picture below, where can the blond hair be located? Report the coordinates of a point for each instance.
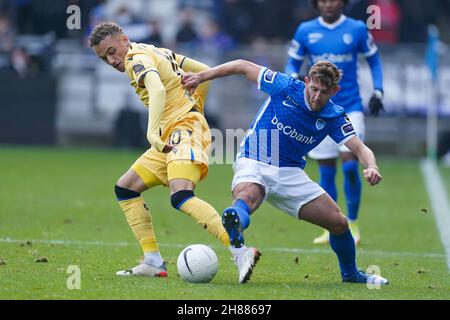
(326, 73)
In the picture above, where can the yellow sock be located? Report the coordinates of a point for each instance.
(206, 217)
(140, 222)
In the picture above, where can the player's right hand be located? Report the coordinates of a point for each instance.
(168, 148)
(159, 145)
(190, 81)
(372, 175)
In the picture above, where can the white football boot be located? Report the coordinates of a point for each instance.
(145, 270)
(245, 263)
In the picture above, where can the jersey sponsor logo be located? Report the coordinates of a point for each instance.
(347, 129)
(335, 58)
(290, 103)
(314, 37)
(138, 68)
(291, 132)
(269, 75)
(320, 124)
(347, 38)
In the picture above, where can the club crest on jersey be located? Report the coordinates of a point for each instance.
(320, 124)
(314, 37)
(138, 68)
(269, 76)
(347, 129)
(347, 38)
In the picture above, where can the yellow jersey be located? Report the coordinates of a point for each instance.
(143, 58)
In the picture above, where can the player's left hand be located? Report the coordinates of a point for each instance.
(376, 103)
(372, 175)
(190, 82)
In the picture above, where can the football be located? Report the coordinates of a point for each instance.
(197, 263)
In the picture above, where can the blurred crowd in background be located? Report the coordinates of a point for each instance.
(196, 24)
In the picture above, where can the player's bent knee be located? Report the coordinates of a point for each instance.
(340, 226)
(178, 198)
(125, 194)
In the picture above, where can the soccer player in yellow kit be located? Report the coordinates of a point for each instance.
(180, 141)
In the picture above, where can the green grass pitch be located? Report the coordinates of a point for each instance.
(48, 195)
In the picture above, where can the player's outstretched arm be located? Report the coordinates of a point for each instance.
(250, 70)
(192, 65)
(367, 158)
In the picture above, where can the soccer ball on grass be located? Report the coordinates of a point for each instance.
(197, 263)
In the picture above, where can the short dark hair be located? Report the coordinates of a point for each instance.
(314, 3)
(102, 30)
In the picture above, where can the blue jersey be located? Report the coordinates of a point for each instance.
(285, 128)
(340, 44)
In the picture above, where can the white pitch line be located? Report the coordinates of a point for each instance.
(268, 249)
(439, 202)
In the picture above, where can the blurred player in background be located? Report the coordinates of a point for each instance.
(179, 136)
(338, 39)
(292, 121)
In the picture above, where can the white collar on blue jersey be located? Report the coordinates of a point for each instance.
(333, 25)
(306, 100)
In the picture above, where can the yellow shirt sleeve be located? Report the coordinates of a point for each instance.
(191, 65)
(157, 101)
(140, 66)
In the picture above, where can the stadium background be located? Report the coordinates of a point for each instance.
(64, 114)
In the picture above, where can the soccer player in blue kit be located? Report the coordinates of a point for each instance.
(294, 119)
(338, 39)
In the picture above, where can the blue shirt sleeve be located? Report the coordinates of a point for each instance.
(342, 130)
(376, 70)
(272, 82)
(297, 49)
(366, 45)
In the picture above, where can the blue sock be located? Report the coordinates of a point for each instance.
(344, 247)
(352, 188)
(243, 211)
(327, 175)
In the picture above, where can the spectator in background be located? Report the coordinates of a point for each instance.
(212, 38)
(7, 34)
(187, 34)
(20, 61)
(390, 21)
(236, 19)
(154, 33)
(24, 16)
(123, 16)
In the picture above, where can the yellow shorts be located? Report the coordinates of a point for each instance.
(192, 138)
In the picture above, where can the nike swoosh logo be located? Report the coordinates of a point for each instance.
(185, 260)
